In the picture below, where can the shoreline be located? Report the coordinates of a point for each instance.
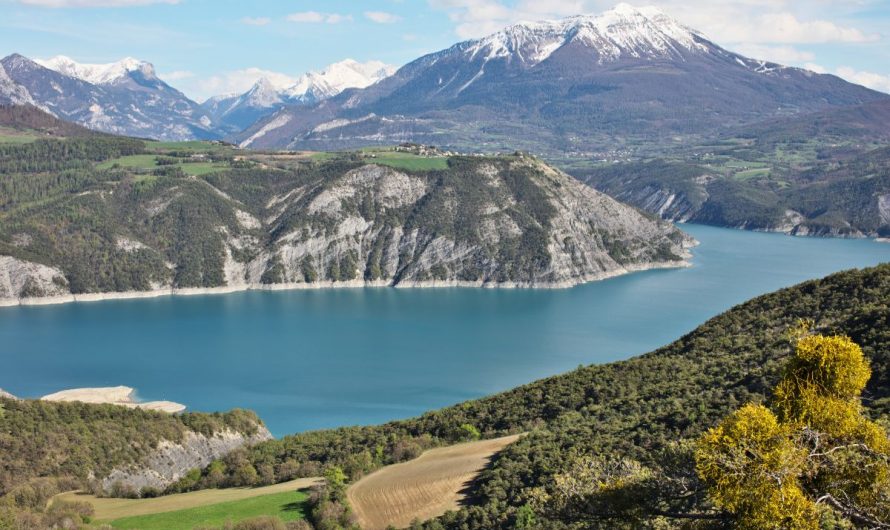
(350, 284)
(123, 396)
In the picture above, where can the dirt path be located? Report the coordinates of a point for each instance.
(111, 509)
(423, 488)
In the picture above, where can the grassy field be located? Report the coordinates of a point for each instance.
(407, 161)
(111, 509)
(422, 488)
(202, 168)
(287, 506)
(15, 136)
(133, 161)
(196, 146)
(752, 173)
(150, 162)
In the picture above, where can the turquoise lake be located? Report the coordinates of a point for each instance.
(326, 358)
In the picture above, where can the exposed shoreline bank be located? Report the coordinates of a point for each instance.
(123, 396)
(351, 284)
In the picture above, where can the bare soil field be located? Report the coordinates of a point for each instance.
(423, 488)
(110, 509)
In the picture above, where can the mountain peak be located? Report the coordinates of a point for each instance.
(262, 94)
(624, 31)
(98, 74)
(336, 78)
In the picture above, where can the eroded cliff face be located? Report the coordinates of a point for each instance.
(172, 460)
(483, 221)
(19, 278)
(510, 222)
(847, 208)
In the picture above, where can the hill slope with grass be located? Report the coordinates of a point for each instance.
(116, 215)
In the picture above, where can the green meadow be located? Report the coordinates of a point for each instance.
(287, 506)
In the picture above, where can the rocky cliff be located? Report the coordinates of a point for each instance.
(172, 460)
(347, 221)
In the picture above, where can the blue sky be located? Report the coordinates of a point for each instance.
(206, 47)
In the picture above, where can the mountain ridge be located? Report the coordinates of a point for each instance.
(133, 102)
(237, 112)
(562, 86)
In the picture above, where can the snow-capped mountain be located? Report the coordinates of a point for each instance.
(98, 74)
(237, 112)
(125, 97)
(312, 87)
(583, 83)
(624, 32)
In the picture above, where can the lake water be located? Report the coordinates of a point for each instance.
(315, 359)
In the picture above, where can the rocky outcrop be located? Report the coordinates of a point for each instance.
(24, 279)
(172, 460)
(512, 221)
(668, 204)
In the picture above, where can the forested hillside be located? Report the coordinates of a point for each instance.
(24, 122)
(111, 214)
(824, 174)
(636, 409)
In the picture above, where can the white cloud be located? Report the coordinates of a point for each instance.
(871, 80)
(314, 17)
(730, 21)
(867, 79)
(256, 21)
(176, 75)
(780, 28)
(94, 3)
(238, 81)
(306, 16)
(382, 17)
(476, 18)
(776, 54)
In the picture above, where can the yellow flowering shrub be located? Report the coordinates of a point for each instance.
(751, 465)
(774, 469)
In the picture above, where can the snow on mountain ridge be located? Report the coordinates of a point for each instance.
(263, 94)
(624, 30)
(97, 74)
(336, 78)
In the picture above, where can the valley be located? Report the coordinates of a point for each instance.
(514, 266)
(819, 175)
